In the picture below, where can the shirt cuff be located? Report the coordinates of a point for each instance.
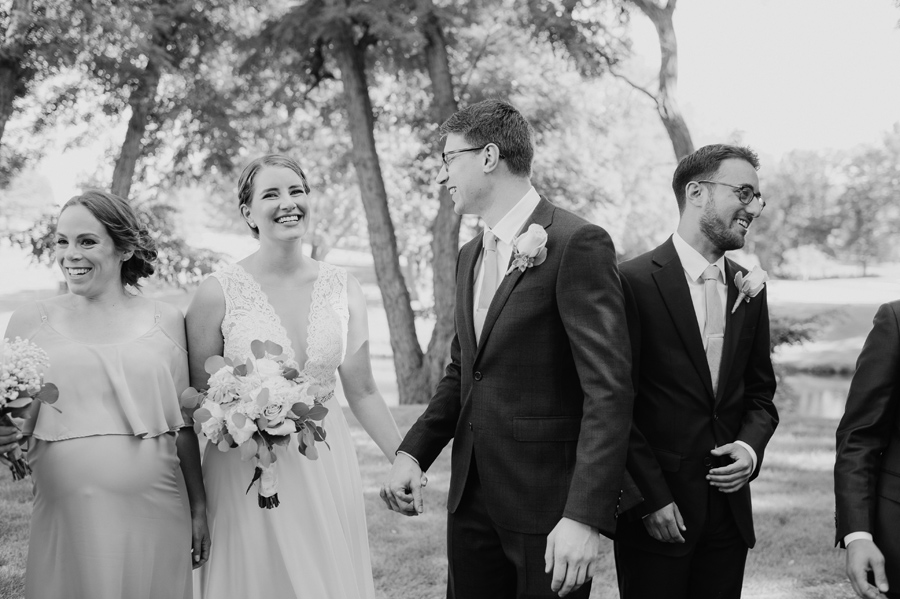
(856, 536)
(750, 450)
(410, 457)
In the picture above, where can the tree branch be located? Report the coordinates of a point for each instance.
(639, 88)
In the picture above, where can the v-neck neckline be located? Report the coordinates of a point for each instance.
(277, 318)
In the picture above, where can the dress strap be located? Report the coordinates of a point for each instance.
(40, 306)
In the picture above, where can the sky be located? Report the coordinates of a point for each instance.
(785, 74)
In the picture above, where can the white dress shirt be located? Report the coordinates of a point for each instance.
(694, 264)
(506, 230)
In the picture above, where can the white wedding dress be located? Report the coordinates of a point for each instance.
(314, 545)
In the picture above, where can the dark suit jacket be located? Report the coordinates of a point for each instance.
(544, 400)
(677, 418)
(867, 469)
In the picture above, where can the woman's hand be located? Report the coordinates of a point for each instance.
(200, 541)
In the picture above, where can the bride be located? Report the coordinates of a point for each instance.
(315, 543)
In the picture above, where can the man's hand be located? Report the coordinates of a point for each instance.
(573, 550)
(732, 477)
(402, 492)
(9, 437)
(864, 556)
(666, 524)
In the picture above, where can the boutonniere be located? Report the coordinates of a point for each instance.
(529, 248)
(749, 286)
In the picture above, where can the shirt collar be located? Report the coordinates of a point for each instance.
(513, 221)
(693, 261)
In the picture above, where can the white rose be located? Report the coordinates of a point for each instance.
(241, 434)
(532, 241)
(212, 427)
(267, 368)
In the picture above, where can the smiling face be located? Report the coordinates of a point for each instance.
(724, 220)
(86, 253)
(279, 208)
(463, 177)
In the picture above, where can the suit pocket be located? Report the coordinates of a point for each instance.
(668, 461)
(889, 486)
(542, 430)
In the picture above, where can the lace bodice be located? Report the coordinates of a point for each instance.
(249, 316)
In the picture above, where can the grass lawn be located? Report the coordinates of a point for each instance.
(794, 557)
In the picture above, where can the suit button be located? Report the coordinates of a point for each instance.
(715, 416)
(707, 462)
(477, 375)
(470, 427)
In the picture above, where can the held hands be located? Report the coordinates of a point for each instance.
(666, 524)
(402, 492)
(200, 541)
(9, 437)
(732, 477)
(864, 556)
(573, 551)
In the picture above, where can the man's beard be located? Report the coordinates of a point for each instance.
(721, 234)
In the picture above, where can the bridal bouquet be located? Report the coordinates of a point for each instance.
(255, 405)
(22, 368)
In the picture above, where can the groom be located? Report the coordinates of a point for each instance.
(703, 410)
(537, 397)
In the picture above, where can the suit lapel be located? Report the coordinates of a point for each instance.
(542, 215)
(733, 325)
(673, 288)
(469, 259)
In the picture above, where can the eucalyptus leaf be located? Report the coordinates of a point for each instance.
(48, 394)
(240, 370)
(263, 398)
(300, 409)
(227, 436)
(223, 445)
(290, 373)
(239, 419)
(262, 424)
(249, 365)
(202, 415)
(258, 348)
(312, 453)
(213, 364)
(317, 412)
(190, 398)
(21, 402)
(273, 348)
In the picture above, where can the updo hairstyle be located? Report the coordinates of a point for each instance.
(123, 226)
(248, 177)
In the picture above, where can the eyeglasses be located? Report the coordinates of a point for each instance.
(744, 193)
(446, 155)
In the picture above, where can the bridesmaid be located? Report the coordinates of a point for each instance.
(108, 519)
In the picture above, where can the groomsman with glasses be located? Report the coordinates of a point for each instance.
(704, 384)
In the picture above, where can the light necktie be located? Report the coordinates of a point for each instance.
(488, 281)
(714, 329)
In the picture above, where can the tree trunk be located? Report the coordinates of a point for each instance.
(401, 320)
(666, 105)
(12, 53)
(445, 229)
(142, 101)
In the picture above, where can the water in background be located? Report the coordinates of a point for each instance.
(817, 396)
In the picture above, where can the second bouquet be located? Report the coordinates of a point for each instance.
(256, 404)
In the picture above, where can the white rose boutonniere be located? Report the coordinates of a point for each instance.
(749, 286)
(529, 248)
